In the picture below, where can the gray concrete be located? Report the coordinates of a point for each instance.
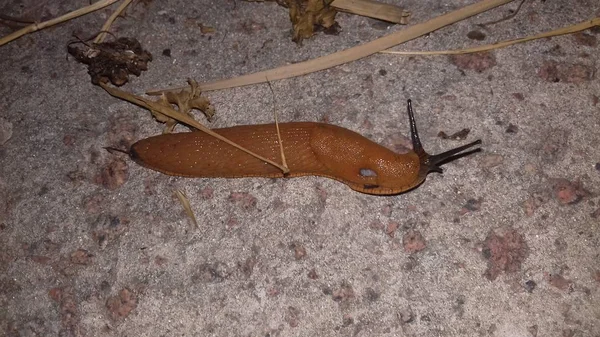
(304, 256)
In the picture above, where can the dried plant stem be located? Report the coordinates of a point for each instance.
(374, 9)
(283, 160)
(561, 31)
(183, 199)
(71, 15)
(182, 118)
(351, 54)
(110, 21)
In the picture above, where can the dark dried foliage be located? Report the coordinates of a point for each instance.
(112, 61)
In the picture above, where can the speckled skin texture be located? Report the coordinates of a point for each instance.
(504, 243)
(311, 149)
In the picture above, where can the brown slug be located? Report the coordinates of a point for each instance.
(311, 149)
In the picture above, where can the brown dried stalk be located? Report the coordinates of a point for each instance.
(71, 15)
(351, 54)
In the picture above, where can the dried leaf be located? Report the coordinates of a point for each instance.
(113, 61)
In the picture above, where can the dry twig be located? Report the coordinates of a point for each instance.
(561, 31)
(166, 110)
(283, 161)
(186, 206)
(374, 9)
(71, 15)
(351, 54)
(110, 21)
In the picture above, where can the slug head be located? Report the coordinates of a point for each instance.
(384, 172)
(432, 163)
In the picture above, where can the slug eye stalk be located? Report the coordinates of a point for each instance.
(432, 163)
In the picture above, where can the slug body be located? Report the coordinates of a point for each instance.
(310, 148)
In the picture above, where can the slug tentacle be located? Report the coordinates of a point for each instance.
(432, 163)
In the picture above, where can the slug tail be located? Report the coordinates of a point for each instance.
(432, 163)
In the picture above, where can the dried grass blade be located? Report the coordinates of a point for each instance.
(110, 21)
(186, 206)
(561, 31)
(71, 15)
(374, 9)
(283, 160)
(350, 54)
(182, 118)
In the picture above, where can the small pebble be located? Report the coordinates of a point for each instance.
(530, 286)
(476, 35)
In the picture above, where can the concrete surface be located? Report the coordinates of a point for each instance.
(504, 243)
